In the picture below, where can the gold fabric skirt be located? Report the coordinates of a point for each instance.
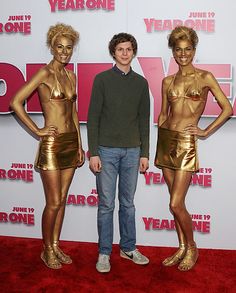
(60, 152)
(176, 150)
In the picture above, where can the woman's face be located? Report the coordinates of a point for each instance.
(62, 49)
(183, 52)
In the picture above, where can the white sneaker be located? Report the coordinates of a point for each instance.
(136, 256)
(103, 263)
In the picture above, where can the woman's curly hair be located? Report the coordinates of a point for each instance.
(64, 30)
(182, 33)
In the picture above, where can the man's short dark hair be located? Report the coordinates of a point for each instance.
(122, 38)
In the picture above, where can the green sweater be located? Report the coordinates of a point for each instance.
(119, 112)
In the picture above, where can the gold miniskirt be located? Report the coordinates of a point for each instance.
(60, 152)
(176, 150)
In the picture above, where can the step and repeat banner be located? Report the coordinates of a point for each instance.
(211, 196)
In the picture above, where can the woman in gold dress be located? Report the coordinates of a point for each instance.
(60, 148)
(184, 97)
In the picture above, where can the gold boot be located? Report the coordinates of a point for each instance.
(175, 258)
(49, 258)
(190, 258)
(62, 257)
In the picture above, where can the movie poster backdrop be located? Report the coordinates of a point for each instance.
(23, 50)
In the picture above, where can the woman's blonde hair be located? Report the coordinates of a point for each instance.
(182, 33)
(64, 30)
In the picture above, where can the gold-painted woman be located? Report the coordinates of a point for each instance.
(60, 148)
(184, 97)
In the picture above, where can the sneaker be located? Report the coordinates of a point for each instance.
(103, 263)
(136, 256)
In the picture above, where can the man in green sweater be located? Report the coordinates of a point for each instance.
(118, 139)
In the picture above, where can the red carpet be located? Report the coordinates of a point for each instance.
(22, 270)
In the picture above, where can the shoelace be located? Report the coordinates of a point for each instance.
(137, 253)
(104, 259)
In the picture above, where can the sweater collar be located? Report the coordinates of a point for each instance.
(116, 69)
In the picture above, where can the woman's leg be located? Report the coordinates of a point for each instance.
(179, 190)
(169, 176)
(52, 189)
(66, 177)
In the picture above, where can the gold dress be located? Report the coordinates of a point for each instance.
(61, 151)
(58, 152)
(178, 150)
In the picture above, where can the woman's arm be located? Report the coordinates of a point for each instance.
(81, 156)
(224, 104)
(164, 105)
(22, 94)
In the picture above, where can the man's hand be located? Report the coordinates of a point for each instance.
(95, 164)
(143, 165)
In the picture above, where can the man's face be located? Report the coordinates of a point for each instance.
(123, 54)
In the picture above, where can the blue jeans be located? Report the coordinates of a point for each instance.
(122, 163)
